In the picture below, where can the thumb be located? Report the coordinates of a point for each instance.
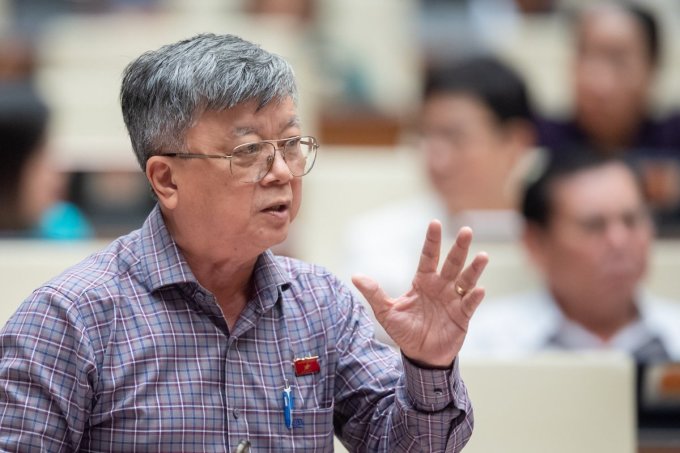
(372, 292)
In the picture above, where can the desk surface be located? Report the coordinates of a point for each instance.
(659, 442)
(667, 449)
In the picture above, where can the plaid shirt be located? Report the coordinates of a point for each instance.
(127, 352)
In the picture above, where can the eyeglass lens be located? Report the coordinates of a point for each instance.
(250, 162)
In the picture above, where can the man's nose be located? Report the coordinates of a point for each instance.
(279, 169)
(618, 233)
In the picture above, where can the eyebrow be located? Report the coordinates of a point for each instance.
(241, 131)
(293, 122)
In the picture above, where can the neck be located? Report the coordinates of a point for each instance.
(603, 323)
(229, 278)
(499, 203)
(613, 139)
(229, 281)
(612, 144)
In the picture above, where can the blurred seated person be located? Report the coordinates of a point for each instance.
(475, 129)
(17, 57)
(588, 231)
(615, 62)
(31, 188)
(616, 58)
(297, 10)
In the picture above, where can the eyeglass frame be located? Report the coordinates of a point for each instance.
(275, 145)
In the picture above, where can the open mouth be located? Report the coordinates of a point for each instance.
(277, 208)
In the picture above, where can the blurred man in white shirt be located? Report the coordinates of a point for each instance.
(588, 231)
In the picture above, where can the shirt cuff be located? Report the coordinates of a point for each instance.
(432, 390)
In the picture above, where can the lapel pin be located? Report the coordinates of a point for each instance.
(306, 365)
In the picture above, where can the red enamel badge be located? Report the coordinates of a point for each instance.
(306, 365)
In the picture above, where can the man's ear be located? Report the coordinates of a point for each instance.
(518, 153)
(159, 172)
(521, 135)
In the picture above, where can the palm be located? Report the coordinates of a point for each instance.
(430, 321)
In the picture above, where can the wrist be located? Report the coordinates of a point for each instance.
(429, 366)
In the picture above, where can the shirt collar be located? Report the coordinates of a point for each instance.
(163, 263)
(268, 277)
(572, 335)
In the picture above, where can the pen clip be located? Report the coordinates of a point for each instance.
(288, 405)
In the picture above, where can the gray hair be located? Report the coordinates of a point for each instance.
(165, 91)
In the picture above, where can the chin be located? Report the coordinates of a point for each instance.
(619, 286)
(276, 240)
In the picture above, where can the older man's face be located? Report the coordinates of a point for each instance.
(219, 213)
(595, 249)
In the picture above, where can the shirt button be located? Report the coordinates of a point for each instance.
(243, 447)
(236, 413)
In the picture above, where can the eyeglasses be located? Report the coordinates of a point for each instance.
(250, 162)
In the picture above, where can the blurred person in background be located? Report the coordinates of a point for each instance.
(616, 59)
(588, 231)
(455, 29)
(31, 188)
(617, 53)
(17, 57)
(302, 11)
(476, 128)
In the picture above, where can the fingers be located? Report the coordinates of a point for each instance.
(429, 257)
(467, 280)
(455, 260)
(471, 301)
(372, 292)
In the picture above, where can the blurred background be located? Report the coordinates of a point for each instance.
(361, 68)
(360, 65)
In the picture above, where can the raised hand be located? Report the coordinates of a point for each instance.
(430, 321)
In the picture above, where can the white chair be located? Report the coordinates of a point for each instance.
(552, 403)
(26, 264)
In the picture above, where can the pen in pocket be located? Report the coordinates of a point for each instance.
(288, 405)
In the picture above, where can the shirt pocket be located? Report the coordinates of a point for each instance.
(313, 391)
(312, 429)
